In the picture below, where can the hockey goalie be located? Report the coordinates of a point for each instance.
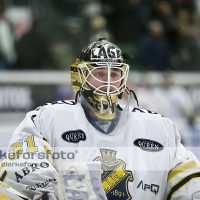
(92, 148)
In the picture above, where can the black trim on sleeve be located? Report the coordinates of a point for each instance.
(45, 139)
(22, 197)
(3, 176)
(44, 197)
(181, 183)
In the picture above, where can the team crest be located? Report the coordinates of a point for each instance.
(114, 175)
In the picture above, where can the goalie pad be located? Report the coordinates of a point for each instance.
(80, 181)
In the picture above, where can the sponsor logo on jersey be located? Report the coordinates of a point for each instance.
(148, 145)
(74, 136)
(114, 175)
(26, 170)
(41, 184)
(151, 187)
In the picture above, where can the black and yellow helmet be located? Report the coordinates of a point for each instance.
(98, 55)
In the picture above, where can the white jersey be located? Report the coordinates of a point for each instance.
(144, 161)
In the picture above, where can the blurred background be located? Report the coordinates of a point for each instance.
(39, 40)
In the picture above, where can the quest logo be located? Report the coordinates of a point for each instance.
(74, 136)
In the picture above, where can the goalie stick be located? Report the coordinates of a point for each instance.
(12, 193)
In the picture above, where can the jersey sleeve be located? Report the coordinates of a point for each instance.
(184, 177)
(28, 165)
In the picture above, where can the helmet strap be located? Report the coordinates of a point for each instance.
(111, 104)
(128, 91)
(120, 95)
(87, 93)
(77, 95)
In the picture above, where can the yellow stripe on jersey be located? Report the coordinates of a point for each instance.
(181, 168)
(24, 198)
(47, 150)
(4, 197)
(2, 165)
(2, 178)
(178, 185)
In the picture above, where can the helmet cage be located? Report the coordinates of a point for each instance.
(86, 69)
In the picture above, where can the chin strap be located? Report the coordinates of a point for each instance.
(77, 95)
(120, 95)
(111, 105)
(128, 91)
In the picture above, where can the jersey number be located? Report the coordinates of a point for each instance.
(16, 150)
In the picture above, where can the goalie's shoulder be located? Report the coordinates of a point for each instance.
(54, 110)
(152, 119)
(144, 113)
(57, 104)
(55, 107)
(137, 110)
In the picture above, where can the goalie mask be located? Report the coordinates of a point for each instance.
(99, 77)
